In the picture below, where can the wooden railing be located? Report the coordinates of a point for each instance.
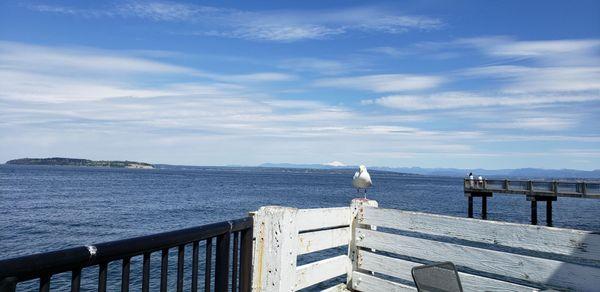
(384, 244)
(282, 234)
(577, 189)
(491, 256)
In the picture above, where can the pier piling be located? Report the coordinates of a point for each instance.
(549, 213)
(484, 207)
(548, 200)
(470, 210)
(484, 196)
(533, 212)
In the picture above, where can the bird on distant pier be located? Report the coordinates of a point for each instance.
(362, 180)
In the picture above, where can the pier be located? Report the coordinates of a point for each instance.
(369, 248)
(533, 190)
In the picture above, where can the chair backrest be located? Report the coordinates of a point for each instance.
(440, 277)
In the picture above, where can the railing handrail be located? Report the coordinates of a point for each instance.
(34, 266)
(535, 180)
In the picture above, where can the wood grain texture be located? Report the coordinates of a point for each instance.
(321, 218)
(542, 271)
(324, 239)
(337, 288)
(313, 273)
(357, 207)
(275, 249)
(402, 269)
(367, 283)
(573, 243)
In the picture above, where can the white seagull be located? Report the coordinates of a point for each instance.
(362, 180)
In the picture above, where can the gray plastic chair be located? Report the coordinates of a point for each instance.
(441, 277)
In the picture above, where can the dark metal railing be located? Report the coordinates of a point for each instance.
(232, 270)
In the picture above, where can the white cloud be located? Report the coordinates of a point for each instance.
(46, 88)
(259, 77)
(505, 46)
(59, 74)
(319, 66)
(390, 51)
(531, 123)
(213, 118)
(522, 79)
(455, 100)
(383, 82)
(32, 57)
(281, 25)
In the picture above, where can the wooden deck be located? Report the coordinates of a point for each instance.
(384, 244)
(579, 189)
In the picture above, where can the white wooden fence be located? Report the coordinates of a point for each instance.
(384, 244)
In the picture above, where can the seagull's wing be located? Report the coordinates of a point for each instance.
(355, 182)
(367, 178)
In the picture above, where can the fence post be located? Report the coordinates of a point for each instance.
(8, 284)
(357, 208)
(246, 243)
(275, 249)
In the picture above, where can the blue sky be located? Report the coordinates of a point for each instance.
(502, 84)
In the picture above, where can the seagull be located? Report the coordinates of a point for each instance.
(362, 180)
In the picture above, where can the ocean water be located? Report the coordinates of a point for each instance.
(49, 208)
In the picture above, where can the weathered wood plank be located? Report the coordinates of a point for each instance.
(337, 288)
(402, 269)
(321, 218)
(313, 273)
(357, 207)
(574, 243)
(324, 239)
(543, 271)
(367, 283)
(276, 234)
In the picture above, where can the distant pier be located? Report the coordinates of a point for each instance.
(533, 190)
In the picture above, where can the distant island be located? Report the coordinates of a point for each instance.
(80, 162)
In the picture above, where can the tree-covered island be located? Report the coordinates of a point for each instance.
(79, 162)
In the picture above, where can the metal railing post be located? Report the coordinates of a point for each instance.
(246, 260)
(8, 284)
(222, 262)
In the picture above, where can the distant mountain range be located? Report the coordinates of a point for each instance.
(530, 173)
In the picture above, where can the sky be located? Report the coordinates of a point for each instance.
(466, 84)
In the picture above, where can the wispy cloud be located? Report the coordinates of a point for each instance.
(542, 79)
(227, 117)
(269, 25)
(32, 57)
(456, 100)
(541, 73)
(389, 51)
(383, 82)
(561, 51)
(532, 123)
(58, 74)
(320, 66)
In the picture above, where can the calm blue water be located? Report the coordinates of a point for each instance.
(48, 208)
